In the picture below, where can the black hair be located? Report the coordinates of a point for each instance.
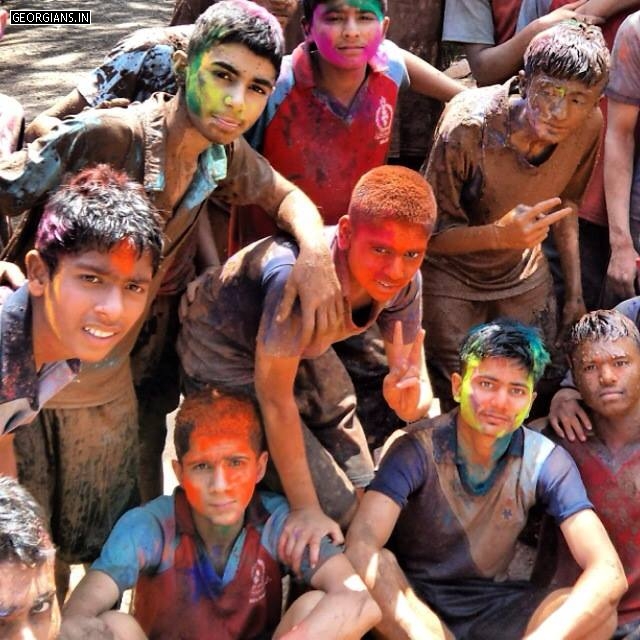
(602, 325)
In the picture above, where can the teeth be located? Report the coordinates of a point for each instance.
(99, 334)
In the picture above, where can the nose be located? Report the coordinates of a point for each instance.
(110, 305)
(25, 633)
(218, 481)
(350, 28)
(558, 108)
(236, 97)
(607, 374)
(395, 269)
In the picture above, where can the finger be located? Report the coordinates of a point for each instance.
(546, 220)
(555, 425)
(314, 551)
(415, 355)
(585, 422)
(540, 208)
(298, 551)
(286, 304)
(407, 382)
(335, 533)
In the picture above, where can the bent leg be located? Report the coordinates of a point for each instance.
(297, 612)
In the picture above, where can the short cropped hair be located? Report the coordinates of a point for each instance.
(505, 338)
(95, 210)
(309, 6)
(570, 50)
(393, 192)
(242, 22)
(220, 414)
(24, 536)
(602, 325)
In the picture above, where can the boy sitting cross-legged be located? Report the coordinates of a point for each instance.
(230, 339)
(205, 560)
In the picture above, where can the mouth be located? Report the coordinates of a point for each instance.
(611, 394)
(226, 124)
(99, 333)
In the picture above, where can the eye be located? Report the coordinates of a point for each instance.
(135, 288)
(517, 391)
(42, 606)
(588, 368)
(485, 384)
(236, 462)
(621, 363)
(380, 250)
(200, 466)
(412, 255)
(223, 75)
(259, 89)
(367, 16)
(89, 278)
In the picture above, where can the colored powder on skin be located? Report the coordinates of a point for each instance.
(123, 257)
(368, 5)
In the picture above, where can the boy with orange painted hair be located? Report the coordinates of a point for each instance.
(207, 558)
(231, 339)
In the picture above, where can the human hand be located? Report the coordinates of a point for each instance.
(11, 275)
(84, 628)
(115, 102)
(403, 387)
(572, 311)
(525, 227)
(314, 281)
(305, 527)
(567, 418)
(569, 11)
(623, 271)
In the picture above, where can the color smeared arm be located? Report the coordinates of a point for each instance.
(428, 80)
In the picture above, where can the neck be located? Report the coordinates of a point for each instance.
(46, 347)
(183, 139)
(618, 431)
(218, 540)
(341, 84)
(479, 451)
(522, 137)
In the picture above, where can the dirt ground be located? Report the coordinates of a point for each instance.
(40, 63)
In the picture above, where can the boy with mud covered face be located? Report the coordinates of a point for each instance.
(508, 162)
(451, 497)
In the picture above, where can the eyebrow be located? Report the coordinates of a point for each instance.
(231, 69)
(104, 272)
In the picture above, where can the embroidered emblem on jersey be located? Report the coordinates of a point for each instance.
(384, 119)
(258, 582)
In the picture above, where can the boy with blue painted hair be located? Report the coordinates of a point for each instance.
(440, 521)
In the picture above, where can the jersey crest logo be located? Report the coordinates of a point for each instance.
(384, 120)
(258, 582)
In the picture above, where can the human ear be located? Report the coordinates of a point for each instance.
(262, 466)
(456, 384)
(345, 231)
(37, 273)
(385, 25)
(306, 27)
(179, 60)
(177, 470)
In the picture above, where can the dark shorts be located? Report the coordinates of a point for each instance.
(479, 609)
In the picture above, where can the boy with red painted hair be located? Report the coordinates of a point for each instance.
(230, 339)
(207, 558)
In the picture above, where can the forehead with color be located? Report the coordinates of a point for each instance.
(372, 6)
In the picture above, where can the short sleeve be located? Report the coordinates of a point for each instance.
(402, 471)
(135, 545)
(396, 66)
(560, 488)
(468, 21)
(624, 79)
(406, 308)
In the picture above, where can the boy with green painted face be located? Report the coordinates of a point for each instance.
(451, 497)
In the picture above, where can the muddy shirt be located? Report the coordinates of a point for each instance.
(480, 21)
(23, 389)
(613, 483)
(449, 531)
(624, 87)
(158, 543)
(317, 143)
(477, 177)
(235, 306)
(137, 67)
(132, 139)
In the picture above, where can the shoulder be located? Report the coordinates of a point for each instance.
(467, 112)
(630, 308)
(150, 37)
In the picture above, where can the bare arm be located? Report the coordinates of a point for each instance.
(68, 105)
(428, 80)
(619, 149)
(492, 64)
(404, 616)
(565, 235)
(606, 8)
(346, 611)
(307, 524)
(95, 595)
(595, 595)
(521, 228)
(313, 279)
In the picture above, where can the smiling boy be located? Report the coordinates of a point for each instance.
(88, 284)
(451, 497)
(509, 163)
(181, 148)
(230, 340)
(206, 560)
